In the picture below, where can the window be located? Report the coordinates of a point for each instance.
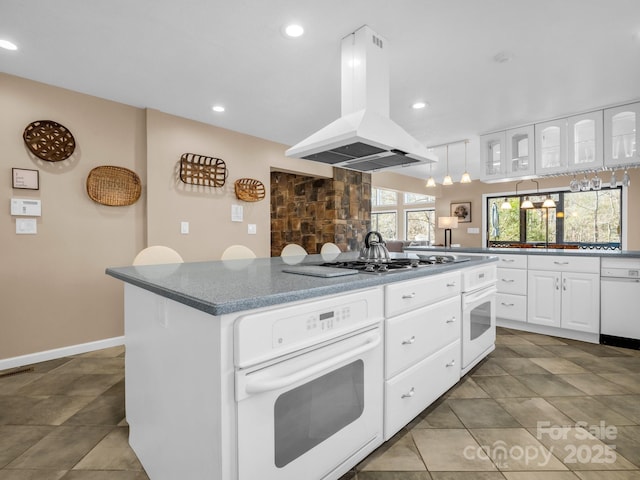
(411, 198)
(385, 223)
(581, 219)
(420, 225)
(383, 198)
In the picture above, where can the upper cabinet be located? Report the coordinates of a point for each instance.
(569, 144)
(507, 154)
(621, 135)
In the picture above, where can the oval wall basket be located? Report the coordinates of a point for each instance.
(48, 140)
(202, 170)
(114, 186)
(249, 190)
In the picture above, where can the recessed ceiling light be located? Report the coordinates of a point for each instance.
(419, 105)
(7, 45)
(218, 108)
(293, 30)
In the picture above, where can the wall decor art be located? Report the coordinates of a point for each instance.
(113, 186)
(25, 178)
(249, 189)
(462, 211)
(202, 170)
(49, 140)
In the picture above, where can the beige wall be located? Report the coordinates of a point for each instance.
(472, 192)
(53, 289)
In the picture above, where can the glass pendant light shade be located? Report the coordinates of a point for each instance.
(527, 203)
(447, 180)
(505, 205)
(431, 182)
(466, 178)
(549, 203)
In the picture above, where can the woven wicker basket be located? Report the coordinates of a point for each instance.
(113, 186)
(48, 140)
(249, 190)
(200, 170)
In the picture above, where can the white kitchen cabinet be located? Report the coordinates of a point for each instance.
(621, 135)
(407, 296)
(551, 146)
(569, 144)
(564, 292)
(507, 154)
(511, 300)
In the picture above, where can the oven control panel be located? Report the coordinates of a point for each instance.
(269, 334)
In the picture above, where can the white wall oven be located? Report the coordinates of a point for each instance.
(309, 388)
(478, 315)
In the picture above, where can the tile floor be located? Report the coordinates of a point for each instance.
(537, 408)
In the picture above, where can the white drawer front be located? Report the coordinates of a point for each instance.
(511, 280)
(404, 296)
(512, 261)
(407, 394)
(415, 335)
(559, 263)
(479, 277)
(511, 307)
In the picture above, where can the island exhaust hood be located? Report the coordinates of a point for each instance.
(364, 138)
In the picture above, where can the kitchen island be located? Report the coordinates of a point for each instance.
(238, 370)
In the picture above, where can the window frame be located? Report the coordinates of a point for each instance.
(431, 234)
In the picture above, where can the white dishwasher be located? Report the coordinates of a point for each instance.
(620, 302)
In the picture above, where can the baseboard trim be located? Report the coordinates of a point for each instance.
(38, 357)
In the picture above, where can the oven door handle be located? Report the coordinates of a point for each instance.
(268, 384)
(472, 297)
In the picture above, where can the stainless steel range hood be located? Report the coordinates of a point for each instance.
(364, 138)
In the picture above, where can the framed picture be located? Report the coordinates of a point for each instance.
(462, 211)
(27, 179)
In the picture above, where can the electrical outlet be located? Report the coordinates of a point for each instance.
(474, 230)
(251, 229)
(184, 228)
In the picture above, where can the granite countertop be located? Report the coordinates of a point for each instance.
(530, 251)
(221, 287)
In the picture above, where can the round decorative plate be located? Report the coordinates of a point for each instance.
(49, 140)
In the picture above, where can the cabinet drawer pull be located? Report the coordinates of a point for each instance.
(560, 263)
(508, 260)
(409, 295)
(451, 363)
(410, 341)
(411, 393)
(508, 280)
(452, 284)
(452, 319)
(505, 304)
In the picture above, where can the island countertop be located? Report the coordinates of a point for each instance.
(221, 287)
(576, 252)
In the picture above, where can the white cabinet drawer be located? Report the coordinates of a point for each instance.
(404, 296)
(407, 394)
(415, 335)
(559, 263)
(511, 307)
(478, 277)
(511, 280)
(512, 261)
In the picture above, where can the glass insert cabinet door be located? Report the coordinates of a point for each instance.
(492, 156)
(585, 141)
(520, 147)
(621, 135)
(551, 146)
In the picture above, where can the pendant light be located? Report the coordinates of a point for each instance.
(548, 202)
(466, 178)
(431, 182)
(447, 179)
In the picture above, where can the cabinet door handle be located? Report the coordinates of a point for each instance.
(508, 280)
(557, 283)
(504, 304)
(564, 284)
(452, 284)
(411, 393)
(561, 263)
(452, 319)
(451, 363)
(410, 341)
(508, 260)
(406, 296)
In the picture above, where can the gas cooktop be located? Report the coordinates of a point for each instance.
(395, 264)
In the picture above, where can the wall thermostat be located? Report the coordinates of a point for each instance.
(26, 207)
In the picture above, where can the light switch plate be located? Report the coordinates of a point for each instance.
(236, 213)
(184, 228)
(26, 226)
(475, 230)
(251, 229)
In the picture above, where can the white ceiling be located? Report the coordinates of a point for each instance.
(182, 57)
